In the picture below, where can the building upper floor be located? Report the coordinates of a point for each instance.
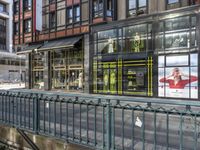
(36, 20)
(4, 8)
(6, 25)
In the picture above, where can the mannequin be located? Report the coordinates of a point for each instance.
(110, 47)
(80, 80)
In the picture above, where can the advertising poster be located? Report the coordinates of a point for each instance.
(176, 78)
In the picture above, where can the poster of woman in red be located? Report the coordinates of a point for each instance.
(178, 76)
(176, 81)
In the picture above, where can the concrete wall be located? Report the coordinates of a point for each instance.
(121, 9)
(12, 137)
(156, 6)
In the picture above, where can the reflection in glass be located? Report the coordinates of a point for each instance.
(106, 47)
(59, 79)
(177, 60)
(176, 40)
(136, 38)
(38, 80)
(107, 34)
(59, 58)
(67, 69)
(177, 23)
(75, 79)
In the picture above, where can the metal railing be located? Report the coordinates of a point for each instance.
(104, 122)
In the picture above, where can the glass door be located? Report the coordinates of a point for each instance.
(76, 79)
(59, 80)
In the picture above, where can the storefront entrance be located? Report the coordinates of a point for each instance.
(67, 69)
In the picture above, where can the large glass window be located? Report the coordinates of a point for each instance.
(38, 70)
(178, 34)
(107, 77)
(178, 76)
(107, 42)
(137, 38)
(121, 72)
(16, 7)
(2, 34)
(76, 13)
(69, 16)
(27, 26)
(136, 7)
(27, 4)
(2, 8)
(137, 77)
(171, 4)
(67, 69)
(16, 28)
(52, 19)
(97, 8)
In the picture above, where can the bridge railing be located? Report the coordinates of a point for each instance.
(104, 122)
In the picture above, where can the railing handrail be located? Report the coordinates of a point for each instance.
(163, 101)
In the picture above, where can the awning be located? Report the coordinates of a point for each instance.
(29, 48)
(61, 43)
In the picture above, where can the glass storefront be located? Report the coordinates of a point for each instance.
(67, 69)
(117, 69)
(129, 59)
(177, 50)
(38, 70)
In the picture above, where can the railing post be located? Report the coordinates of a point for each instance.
(108, 124)
(36, 114)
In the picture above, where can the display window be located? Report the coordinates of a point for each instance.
(67, 69)
(177, 34)
(137, 77)
(137, 38)
(178, 76)
(130, 70)
(107, 77)
(107, 42)
(134, 80)
(38, 70)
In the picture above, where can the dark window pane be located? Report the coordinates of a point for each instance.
(27, 26)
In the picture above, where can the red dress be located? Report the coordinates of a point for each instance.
(181, 84)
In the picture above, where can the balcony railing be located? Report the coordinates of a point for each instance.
(104, 122)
